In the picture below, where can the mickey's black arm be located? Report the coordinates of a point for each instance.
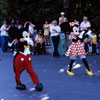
(21, 46)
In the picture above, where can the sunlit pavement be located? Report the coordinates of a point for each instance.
(52, 73)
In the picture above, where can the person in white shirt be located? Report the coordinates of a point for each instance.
(4, 36)
(29, 28)
(62, 19)
(85, 24)
(18, 25)
(55, 34)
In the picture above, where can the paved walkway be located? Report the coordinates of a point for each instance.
(52, 73)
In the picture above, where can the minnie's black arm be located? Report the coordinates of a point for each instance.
(84, 36)
(75, 39)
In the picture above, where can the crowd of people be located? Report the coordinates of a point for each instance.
(41, 38)
(91, 43)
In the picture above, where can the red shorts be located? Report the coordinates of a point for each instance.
(22, 63)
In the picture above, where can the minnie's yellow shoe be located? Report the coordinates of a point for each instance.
(70, 73)
(90, 73)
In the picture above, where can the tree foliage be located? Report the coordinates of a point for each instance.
(36, 11)
(89, 8)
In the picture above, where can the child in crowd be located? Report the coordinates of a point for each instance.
(90, 48)
(39, 44)
(86, 45)
(46, 33)
(94, 42)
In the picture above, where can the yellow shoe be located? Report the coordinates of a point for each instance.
(89, 73)
(70, 73)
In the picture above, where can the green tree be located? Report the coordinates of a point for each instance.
(36, 11)
(89, 8)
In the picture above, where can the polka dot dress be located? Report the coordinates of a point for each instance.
(76, 48)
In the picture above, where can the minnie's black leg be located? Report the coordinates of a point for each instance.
(71, 65)
(86, 64)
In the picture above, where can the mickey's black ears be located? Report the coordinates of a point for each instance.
(20, 33)
(25, 34)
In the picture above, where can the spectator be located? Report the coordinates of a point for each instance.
(85, 24)
(51, 23)
(65, 27)
(39, 44)
(29, 28)
(13, 32)
(94, 42)
(13, 21)
(55, 34)
(35, 34)
(18, 25)
(46, 33)
(62, 19)
(4, 35)
(87, 42)
(87, 45)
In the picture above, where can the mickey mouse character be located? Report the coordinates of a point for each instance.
(23, 61)
(77, 49)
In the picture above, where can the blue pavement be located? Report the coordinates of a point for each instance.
(52, 73)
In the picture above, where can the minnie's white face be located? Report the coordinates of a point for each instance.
(76, 30)
(26, 34)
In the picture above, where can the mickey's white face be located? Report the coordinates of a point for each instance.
(76, 30)
(26, 35)
(27, 38)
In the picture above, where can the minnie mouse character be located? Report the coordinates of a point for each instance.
(23, 61)
(77, 49)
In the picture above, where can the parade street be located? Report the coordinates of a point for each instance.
(52, 74)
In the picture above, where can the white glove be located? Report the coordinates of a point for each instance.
(10, 44)
(81, 34)
(29, 41)
(89, 32)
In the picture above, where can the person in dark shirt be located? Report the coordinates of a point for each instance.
(65, 27)
(13, 32)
